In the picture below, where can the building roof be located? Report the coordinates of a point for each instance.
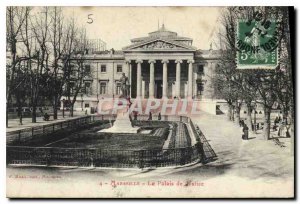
(162, 32)
(164, 35)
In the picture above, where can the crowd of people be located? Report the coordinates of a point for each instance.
(279, 125)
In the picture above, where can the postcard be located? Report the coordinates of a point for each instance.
(150, 102)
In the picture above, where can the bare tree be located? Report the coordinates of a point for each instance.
(15, 18)
(261, 86)
(40, 29)
(76, 69)
(62, 37)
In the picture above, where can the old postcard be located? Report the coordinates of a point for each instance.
(150, 102)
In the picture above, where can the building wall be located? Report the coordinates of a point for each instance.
(112, 76)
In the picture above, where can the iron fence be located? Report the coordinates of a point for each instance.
(91, 157)
(208, 151)
(23, 135)
(84, 157)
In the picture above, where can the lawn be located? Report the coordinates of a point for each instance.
(90, 138)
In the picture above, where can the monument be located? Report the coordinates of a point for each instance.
(123, 123)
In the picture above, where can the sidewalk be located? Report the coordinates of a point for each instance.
(13, 124)
(253, 158)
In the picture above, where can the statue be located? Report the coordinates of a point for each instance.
(123, 122)
(124, 86)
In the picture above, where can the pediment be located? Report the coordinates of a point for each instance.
(159, 45)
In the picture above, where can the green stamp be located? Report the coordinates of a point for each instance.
(256, 44)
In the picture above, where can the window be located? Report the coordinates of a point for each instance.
(200, 69)
(119, 68)
(87, 88)
(86, 105)
(118, 88)
(102, 87)
(200, 88)
(103, 68)
(87, 68)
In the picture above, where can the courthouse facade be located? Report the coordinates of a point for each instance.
(162, 65)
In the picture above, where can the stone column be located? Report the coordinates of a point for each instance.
(139, 79)
(165, 78)
(151, 82)
(190, 79)
(143, 89)
(129, 76)
(178, 62)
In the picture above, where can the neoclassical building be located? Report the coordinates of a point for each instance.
(160, 65)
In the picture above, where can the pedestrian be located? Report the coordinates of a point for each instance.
(134, 115)
(241, 123)
(159, 116)
(276, 120)
(199, 147)
(282, 132)
(246, 132)
(288, 135)
(150, 116)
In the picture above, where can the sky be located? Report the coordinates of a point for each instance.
(117, 25)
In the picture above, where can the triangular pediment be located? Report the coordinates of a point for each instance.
(159, 45)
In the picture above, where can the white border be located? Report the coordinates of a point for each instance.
(5, 3)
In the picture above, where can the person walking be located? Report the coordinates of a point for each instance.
(150, 116)
(246, 132)
(159, 116)
(199, 147)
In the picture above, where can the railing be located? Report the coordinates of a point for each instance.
(23, 135)
(91, 157)
(207, 149)
(173, 118)
(50, 156)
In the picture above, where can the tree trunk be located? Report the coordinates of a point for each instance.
(238, 113)
(71, 110)
(284, 114)
(20, 111)
(229, 113)
(267, 123)
(292, 126)
(33, 119)
(20, 115)
(7, 114)
(55, 109)
(249, 118)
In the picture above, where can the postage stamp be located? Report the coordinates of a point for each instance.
(257, 44)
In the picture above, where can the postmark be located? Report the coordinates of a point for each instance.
(257, 43)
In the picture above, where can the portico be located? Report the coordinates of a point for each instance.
(161, 78)
(161, 65)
